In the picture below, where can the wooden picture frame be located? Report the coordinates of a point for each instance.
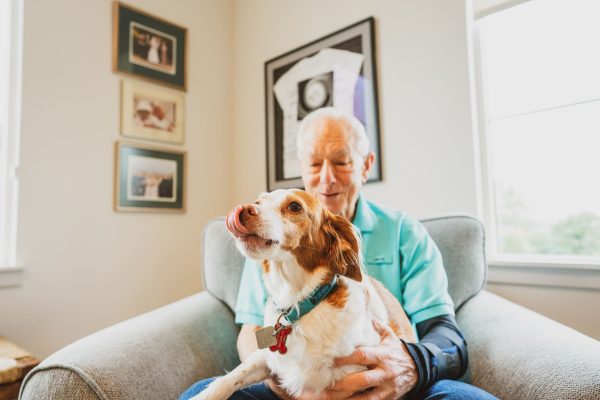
(149, 178)
(149, 47)
(152, 112)
(337, 70)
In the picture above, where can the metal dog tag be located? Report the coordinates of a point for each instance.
(265, 337)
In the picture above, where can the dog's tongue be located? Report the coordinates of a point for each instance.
(234, 225)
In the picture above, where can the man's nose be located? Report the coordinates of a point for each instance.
(327, 174)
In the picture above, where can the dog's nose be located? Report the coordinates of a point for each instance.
(247, 211)
(251, 209)
(237, 219)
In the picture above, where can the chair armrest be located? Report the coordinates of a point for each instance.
(516, 353)
(156, 355)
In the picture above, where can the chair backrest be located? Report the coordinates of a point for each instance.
(460, 239)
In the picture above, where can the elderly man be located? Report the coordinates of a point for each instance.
(335, 161)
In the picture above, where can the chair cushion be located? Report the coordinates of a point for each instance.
(459, 238)
(515, 353)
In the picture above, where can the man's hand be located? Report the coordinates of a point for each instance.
(391, 372)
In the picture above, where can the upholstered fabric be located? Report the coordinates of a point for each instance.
(461, 241)
(459, 238)
(154, 356)
(222, 263)
(516, 353)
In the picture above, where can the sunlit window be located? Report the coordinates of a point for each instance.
(540, 83)
(10, 82)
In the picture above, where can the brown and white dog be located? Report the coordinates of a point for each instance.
(303, 246)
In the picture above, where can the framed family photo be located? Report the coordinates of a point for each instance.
(337, 70)
(148, 47)
(151, 112)
(148, 178)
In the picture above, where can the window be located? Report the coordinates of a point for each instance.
(539, 75)
(10, 78)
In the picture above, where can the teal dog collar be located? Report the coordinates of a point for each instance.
(293, 314)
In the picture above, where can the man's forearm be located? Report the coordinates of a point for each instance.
(246, 342)
(441, 352)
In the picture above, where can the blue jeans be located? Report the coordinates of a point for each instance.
(441, 390)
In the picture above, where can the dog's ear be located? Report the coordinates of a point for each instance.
(343, 254)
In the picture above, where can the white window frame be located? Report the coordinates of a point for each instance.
(535, 270)
(9, 152)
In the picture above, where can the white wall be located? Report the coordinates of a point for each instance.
(87, 266)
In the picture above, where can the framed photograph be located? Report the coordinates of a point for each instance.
(337, 70)
(151, 112)
(148, 47)
(148, 178)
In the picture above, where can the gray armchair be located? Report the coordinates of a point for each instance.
(514, 353)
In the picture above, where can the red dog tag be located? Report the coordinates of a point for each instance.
(281, 336)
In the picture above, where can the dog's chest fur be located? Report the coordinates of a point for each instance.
(324, 333)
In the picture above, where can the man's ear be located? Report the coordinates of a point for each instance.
(368, 164)
(344, 247)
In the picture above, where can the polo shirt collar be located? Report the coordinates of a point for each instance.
(364, 218)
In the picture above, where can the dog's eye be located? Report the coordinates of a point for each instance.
(294, 207)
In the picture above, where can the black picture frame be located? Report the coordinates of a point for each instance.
(149, 47)
(349, 44)
(149, 178)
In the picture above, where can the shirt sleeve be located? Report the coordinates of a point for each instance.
(441, 353)
(252, 295)
(423, 279)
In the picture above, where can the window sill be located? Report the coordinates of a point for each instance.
(546, 273)
(554, 262)
(10, 277)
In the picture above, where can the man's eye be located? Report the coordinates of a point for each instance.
(344, 166)
(314, 168)
(294, 207)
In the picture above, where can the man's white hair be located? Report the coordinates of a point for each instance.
(356, 128)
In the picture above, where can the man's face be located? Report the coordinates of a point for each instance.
(333, 170)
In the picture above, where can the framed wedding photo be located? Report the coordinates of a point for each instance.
(338, 71)
(151, 112)
(148, 47)
(149, 178)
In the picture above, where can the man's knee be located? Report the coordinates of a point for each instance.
(449, 390)
(253, 392)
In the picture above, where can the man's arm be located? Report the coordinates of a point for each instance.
(390, 374)
(246, 341)
(441, 352)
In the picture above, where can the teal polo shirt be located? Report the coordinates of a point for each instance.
(397, 251)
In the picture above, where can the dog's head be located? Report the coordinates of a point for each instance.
(287, 224)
